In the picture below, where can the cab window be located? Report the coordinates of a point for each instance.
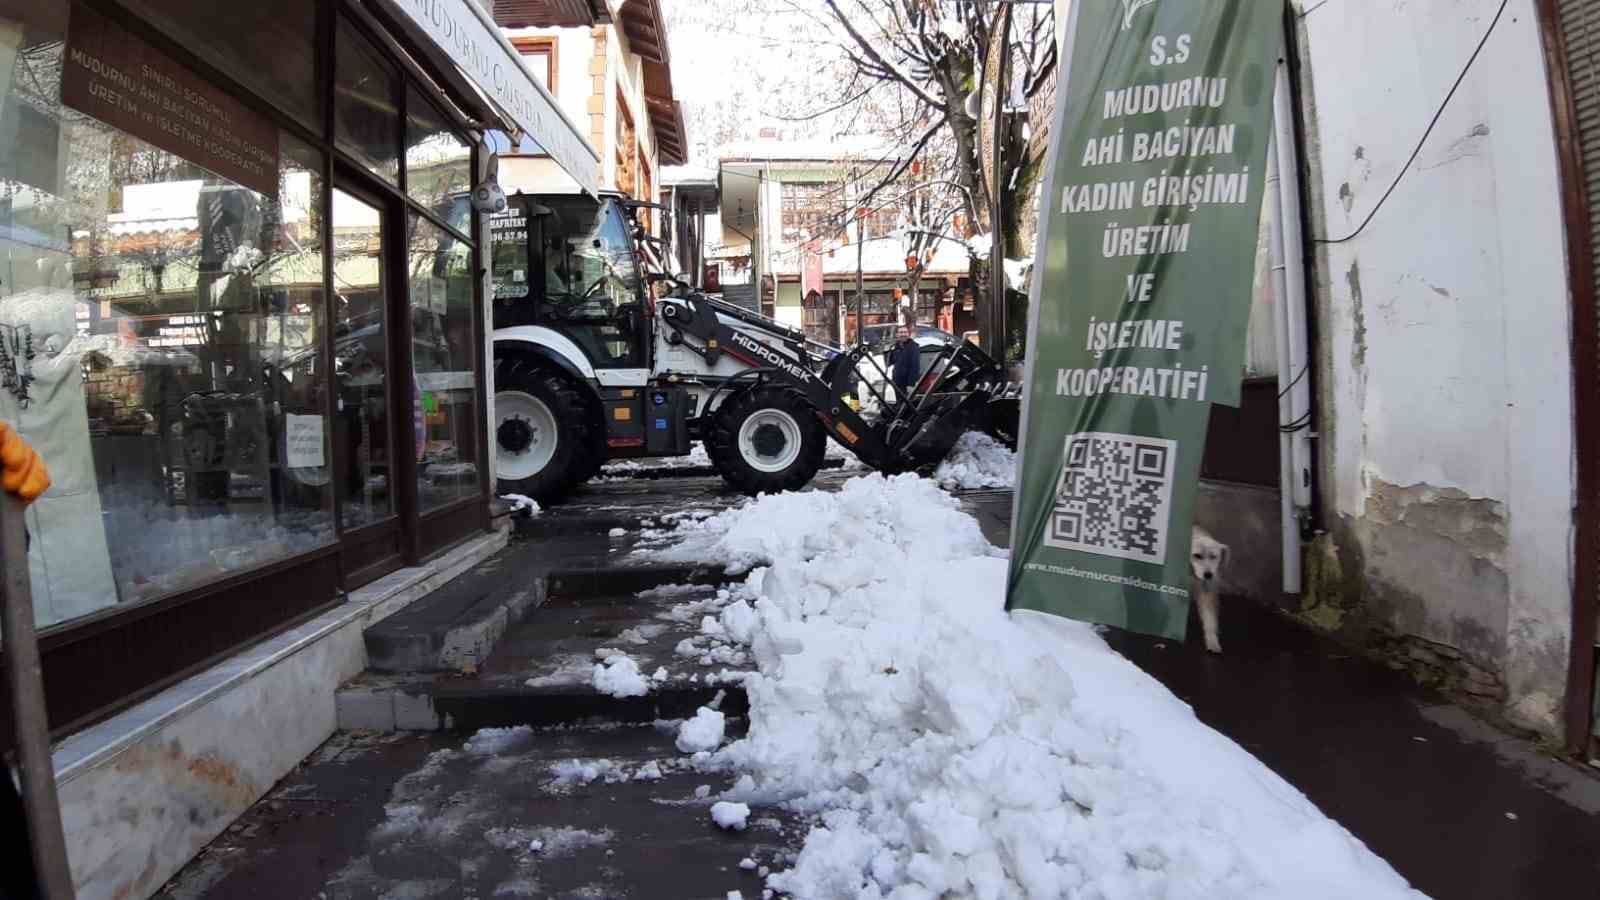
(589, 269)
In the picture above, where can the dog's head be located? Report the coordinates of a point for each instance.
(1207, 556)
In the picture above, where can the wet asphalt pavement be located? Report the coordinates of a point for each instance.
(1457, 807)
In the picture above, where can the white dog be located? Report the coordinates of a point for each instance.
(1207, 556)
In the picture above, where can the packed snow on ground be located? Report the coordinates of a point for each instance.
(490, 741)
(586, 771)
(944, 748)
(695, 459)
(574, 668)
(977, 461)
(617, 675)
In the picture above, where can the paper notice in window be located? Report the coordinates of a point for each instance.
(302, 441)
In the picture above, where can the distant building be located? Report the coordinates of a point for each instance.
(784, 202)
(692, 196)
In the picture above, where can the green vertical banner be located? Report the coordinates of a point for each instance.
(1145, 266)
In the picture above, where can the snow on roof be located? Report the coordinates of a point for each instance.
(877, 255)
(671, 175)
(811, 149)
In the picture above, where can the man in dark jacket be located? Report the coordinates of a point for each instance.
(906, 363)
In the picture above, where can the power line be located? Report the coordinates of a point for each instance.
(1434, 121)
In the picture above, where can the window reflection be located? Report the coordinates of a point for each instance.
(443, 342)
(366, 94)
(438, 161)
(590, 280)
(163, 327)
(268, 47)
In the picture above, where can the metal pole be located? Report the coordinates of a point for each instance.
(1289, 284)
(997, 207)
(861, 243)
(29, 720)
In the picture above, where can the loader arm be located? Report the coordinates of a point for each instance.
(919, 430)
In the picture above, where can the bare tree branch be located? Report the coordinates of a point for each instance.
(871, 53)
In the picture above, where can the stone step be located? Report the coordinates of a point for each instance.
(541, 668)
(410, 704)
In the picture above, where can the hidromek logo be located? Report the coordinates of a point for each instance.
(1129, 7)
(771, 356)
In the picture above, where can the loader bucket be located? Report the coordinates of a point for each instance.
(936, 431)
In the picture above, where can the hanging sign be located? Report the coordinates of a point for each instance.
(303, 441)
(124, 82)
(1137, 325)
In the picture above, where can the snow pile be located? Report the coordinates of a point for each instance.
(945, 748)
(703, 732)
(521, 504)
(977, 461)
(730, 815)
(618, 676)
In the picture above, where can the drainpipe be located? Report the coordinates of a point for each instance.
(1289, 286)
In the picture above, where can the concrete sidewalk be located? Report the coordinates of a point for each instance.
(1461, 810)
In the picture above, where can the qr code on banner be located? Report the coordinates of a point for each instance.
(1114, 497)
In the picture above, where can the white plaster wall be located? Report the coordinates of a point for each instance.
(1445, 324)
(573, 53)
(574, 49)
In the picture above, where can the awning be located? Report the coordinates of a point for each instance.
(464, 40)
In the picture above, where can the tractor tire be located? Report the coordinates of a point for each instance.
(545, 437)
(766, 440)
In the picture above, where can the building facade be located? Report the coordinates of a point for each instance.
(608, 65)
(1451, 515)
(243, 322)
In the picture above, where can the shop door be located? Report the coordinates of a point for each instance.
(1573, 28)
(367, 434)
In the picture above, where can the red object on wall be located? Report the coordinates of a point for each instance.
(810, 269)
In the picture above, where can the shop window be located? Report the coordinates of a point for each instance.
(361, 361)
(160, 327)
(366, 104)
(443, 349)
(268, 48)
(438, 160)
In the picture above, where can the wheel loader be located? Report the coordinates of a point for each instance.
(600, 354)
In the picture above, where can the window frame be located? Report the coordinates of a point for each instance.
(171, 636)
(548, 47)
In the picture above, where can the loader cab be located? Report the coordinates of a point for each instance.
(567, 262)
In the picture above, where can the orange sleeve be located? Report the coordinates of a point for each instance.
(24, 473)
